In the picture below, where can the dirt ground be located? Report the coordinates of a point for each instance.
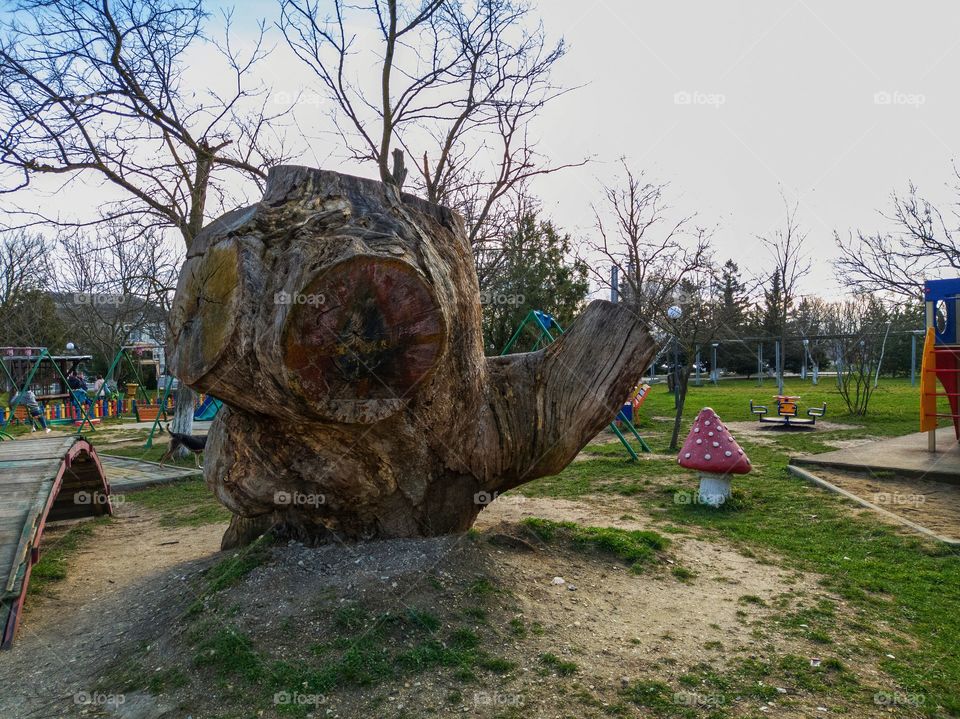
(934, 505)
(130, 587)
(117, 590)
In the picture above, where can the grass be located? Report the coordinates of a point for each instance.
(361, 650)
(231, 570)
(637, 549)
(187, 503)
(557, 665)
(56, 552)
(903, 589)
(153, 454)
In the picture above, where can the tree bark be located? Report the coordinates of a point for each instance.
(340, 323)
(183, 412)
(684, 380)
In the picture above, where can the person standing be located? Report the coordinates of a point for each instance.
(29, 400)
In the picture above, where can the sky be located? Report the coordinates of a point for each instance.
(835, 105)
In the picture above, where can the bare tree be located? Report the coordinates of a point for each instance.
(459, 83)
(653, 249)
(23, 263)
(791, 265)
(115, 285)
(665, 271)
(896, 263)
(857, 325)
(27, 313)
(93, 89)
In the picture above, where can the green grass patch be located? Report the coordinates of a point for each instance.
(55, 554)
(557, 665)
(636, 548)
(231, 570)
(189, 503)
(889, 579)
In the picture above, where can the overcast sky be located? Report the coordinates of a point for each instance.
(838, 103)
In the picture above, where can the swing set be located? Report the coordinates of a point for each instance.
(542, 324)
(140, 350)
(50, 378)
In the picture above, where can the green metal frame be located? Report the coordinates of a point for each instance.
(163, 410)
(123, 353)
(544, 337)
(45, 354)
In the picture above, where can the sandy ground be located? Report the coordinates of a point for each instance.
(934, 505)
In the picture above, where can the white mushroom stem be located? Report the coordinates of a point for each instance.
(714, 488)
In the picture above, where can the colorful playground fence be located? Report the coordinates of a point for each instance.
(67, 412)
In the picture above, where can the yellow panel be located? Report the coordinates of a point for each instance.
(928, 385)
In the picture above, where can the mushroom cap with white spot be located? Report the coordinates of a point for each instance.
(721, 455)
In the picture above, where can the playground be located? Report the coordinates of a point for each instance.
(618, 586)
(783, 569)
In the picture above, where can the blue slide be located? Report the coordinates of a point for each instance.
(207, 410)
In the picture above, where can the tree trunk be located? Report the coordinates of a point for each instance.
(340, 323)
(684, 381)
(183, 412)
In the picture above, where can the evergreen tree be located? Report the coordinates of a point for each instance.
(734, 354)
(534, 273)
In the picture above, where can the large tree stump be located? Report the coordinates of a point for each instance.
(340, 323)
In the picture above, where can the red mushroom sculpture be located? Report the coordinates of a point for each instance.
(714, 453)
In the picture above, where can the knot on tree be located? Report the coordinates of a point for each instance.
(343, 331)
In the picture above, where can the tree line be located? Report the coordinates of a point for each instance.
(443, 102)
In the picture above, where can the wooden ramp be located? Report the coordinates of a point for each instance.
(128, 473)
(41, 480)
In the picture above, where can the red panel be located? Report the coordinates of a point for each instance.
(948, 372)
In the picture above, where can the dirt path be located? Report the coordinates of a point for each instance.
(120, 589)
(131, 581)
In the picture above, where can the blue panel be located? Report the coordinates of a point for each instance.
(947, 292)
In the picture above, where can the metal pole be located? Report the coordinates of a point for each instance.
(883, 348)
(760, 365)
(697, 368)
(713, 365)
(676, 373)
(913, 360)
(777, 359)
